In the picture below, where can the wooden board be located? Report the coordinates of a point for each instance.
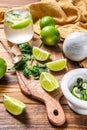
(32, 88)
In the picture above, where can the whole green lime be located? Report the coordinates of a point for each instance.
(3, 67)
(47, 21)
(50, 35)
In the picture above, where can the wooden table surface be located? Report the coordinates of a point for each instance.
(35, 116)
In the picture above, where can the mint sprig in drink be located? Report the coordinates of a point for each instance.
(18, 26)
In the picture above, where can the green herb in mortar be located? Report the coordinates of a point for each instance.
(79, 90)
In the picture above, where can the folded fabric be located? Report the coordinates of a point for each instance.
(70, 16)
(2, 11)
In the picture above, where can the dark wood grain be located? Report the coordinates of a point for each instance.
(35, 116)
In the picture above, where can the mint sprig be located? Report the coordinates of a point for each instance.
(29, 70)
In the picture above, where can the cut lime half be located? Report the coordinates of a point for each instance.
(40, 54)
(3, 67)
(57, 65)
(13, 105)
(48, 82)
(21, 24)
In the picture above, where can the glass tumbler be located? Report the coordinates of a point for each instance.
(18, 25)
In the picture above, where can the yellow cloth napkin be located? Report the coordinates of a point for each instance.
(2, 11)
(70, 16)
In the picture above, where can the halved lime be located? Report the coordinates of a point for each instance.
(48, 82)
(21, 24)
(57, 65)
(40, 54)
(13, 105)
(3, 67)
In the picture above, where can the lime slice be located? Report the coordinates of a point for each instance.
(40, 54)
(76, 92)
(21, 24)
(48, 82)
(13, 105)
(57, 65)
(84, 85)
(3, 67)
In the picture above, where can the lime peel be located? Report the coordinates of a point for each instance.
(48, 82)
(40, 54)
(21, 24)
(50, 35)
(13, 105)
(46, 21)
(3, 67)
(57, 65)
(76, 92)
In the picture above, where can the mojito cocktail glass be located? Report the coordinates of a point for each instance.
(18, 25)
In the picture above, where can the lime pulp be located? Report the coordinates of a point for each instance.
(40, 54)
(13, 105)
(18, 19)
(76, 92)
(57, 65)
(21, 24)
(48, 82)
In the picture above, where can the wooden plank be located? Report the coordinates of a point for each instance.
(35, 118)
(13, 3)
(12, 89)
(1, 26)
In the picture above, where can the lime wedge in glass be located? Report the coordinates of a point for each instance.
(13, 105)
(3, 67)
(40, 54)
(21, 24)
(57, 65)
(48, 82)
(18, 18)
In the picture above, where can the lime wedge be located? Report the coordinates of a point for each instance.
(3, 67)
(48, 82)
(57, 65)
(21, 24)
(40, 54)
(13, 105)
